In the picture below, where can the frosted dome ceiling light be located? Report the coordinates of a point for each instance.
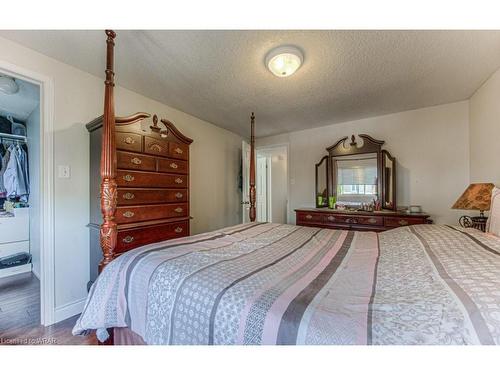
(8, 85)
(284, 61)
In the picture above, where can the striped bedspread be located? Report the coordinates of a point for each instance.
(264, 283)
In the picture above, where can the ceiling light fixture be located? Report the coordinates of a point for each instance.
(8, 85)
(284, 61)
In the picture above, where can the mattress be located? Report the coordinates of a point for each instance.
(268, 284)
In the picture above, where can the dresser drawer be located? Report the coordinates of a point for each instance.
(131, 238)
(147, 179)
(348, 219)
(140, 196)
(172, 165)
(178, 151)
(128, 141)
(132, 214)
(155, 146)
(127, 160)
(402, 221)
(309, 217)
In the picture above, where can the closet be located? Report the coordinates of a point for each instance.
(15, 254)
(19, 212)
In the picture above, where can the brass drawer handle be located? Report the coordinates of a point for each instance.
(155, 147)
(178, 151)
(128, 239)
(178, 209)
(178, 230)
(136, 161)
(331, 218)
(179, 195)
(128, 214)
(372, 220)
(129, 140)
(174, 166)
(128, 196)
(403, 222)
(178, 180)
(128, 178)
(309, 217)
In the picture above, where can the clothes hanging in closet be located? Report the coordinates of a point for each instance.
(16, 175)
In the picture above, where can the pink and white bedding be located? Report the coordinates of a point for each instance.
(264, 283)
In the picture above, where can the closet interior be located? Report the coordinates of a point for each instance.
(19, 177)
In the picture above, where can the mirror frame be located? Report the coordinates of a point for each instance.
(324, 159)
(386, 155)
(370, 146)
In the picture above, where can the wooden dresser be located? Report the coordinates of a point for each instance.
(153, 184)
(357, 220)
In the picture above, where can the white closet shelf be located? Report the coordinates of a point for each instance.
(13, 136)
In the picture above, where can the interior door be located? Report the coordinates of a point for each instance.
(261, 172)
(245, 190)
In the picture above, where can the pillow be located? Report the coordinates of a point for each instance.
(493, 223)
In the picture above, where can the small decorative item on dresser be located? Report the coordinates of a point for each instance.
(475, 197)
(414, 209)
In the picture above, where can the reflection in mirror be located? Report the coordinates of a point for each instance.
(356, 179)
(322, 183)
(389, 183)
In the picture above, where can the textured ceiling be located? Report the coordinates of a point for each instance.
(219, 76)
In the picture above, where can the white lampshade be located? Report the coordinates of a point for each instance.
(8, 85)
(284, 61)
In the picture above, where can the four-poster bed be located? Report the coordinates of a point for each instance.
(268, 283)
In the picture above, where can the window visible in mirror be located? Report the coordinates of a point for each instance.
(356, 180)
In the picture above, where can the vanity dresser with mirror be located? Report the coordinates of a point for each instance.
(356, 189)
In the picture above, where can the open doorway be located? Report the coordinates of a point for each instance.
(27, 102)
(272, 184)
(20, 214)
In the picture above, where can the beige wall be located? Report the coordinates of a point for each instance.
(78, 99)
(430, 145)
(485, 132)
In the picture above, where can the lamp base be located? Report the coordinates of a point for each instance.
(477, 222)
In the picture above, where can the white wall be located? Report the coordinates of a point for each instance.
(431, 146)
(33, 132)
(78, 99)
(485, 132)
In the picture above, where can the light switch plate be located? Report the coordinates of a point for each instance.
(63, 171)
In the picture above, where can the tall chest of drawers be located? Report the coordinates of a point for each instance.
(152, 177)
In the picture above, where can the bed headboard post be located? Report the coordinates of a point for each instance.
(108, 230)
(252, 168)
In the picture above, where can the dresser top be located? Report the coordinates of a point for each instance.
(366, 213)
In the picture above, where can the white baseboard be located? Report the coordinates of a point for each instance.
(37, 275)
(68, 310)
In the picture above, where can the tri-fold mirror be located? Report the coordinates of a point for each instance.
(356, 172)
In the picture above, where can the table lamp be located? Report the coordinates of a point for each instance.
(475, 197)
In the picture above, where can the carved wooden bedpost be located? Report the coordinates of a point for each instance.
(252, 168)
(108, 232)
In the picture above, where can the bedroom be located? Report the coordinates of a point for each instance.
(430, 96)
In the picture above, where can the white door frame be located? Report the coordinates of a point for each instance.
(274, 147)
(47, 242)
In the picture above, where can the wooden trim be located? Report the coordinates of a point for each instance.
(108, 231)
(176, 131)
(369, 145)
(252, 212)
(97, 123)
